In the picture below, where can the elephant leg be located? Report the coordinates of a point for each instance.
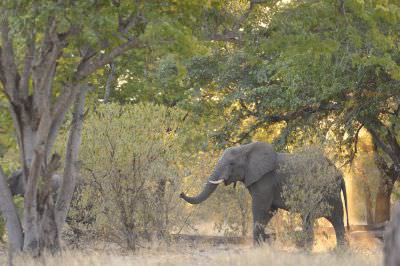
(262, 214)
(308, 232)
(336, 219)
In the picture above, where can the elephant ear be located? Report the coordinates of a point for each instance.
(262, 159)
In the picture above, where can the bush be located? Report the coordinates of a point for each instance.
(131, 163)
(312, 178)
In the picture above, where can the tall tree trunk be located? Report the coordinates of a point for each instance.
(389, 171)
(382, 204)
(368, 200)
(71, 161)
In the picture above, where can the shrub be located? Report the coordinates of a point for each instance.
(131, 163)
(313, 178)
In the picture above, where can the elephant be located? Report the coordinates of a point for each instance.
(16, 183)
(259, 167)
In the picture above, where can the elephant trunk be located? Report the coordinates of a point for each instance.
(208, 189)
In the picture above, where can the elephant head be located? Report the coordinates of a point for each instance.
(245, 163)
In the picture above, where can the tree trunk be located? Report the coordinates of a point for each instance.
(71, 161)
(368, 202)
(109, 82)
(382, 204)
(392, 239)
(10, 214)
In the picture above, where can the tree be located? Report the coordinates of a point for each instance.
(325, 68)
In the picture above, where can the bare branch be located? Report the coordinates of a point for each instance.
(355, 145)
(87, 67)
(230, 36)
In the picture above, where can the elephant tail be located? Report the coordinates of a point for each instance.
(343, 188)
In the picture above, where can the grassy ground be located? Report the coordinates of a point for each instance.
(362, 252)
(259, 256)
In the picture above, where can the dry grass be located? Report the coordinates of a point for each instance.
(364, 250)
(208, 255)
(260, 256)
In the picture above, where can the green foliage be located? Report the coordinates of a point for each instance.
(309, 66)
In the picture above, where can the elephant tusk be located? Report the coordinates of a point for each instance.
(216, 182)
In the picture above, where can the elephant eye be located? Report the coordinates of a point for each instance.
(231, 163)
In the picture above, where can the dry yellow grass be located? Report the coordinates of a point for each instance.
(363, 251)
(209, 256)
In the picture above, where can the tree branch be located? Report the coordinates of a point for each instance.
(8, 64)
(230, 36)
(62, 104)
(87, 67)
(381, 144)
(388, 143)
(289, 116)
(355, 149)
(71, 160)
(28, 62)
